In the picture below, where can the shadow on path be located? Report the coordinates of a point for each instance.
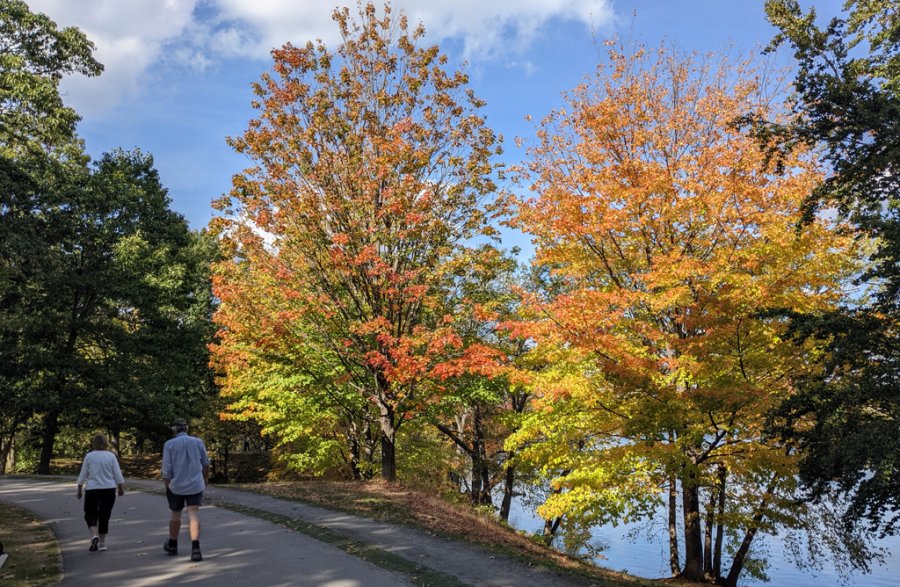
(238, 550)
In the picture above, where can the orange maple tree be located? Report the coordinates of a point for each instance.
(372, 173)
(676, 249)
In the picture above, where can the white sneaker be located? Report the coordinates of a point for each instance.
(101, 547)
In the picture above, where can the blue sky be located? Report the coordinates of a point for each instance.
(178, 72)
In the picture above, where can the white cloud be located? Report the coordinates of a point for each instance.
(487, 28)
(129, 35)
(493, 28)
(133, 35)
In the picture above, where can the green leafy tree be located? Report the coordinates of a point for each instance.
(34, 55)
(157, 319)
(104, 292)
(847, 102)
(124, 303)
(38, 149)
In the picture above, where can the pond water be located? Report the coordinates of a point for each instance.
(643, 551)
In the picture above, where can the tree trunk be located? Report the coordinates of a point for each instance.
(479, 470)
(226, 455)
(9, 456)
(368, 452)
(51, 429)
(388, 436)
(693, 534)
(550, 528)
(720, 527)
(476, 488)
(479, 457)
(740, 556)
(708, 534)
(352, 434)
(486, 487)
(7, 447)
(475, 452)
(5, 452)
(737, 564)
(354, 457)
(115, 436)
(674, 565)
(518, 400)
(509, 480)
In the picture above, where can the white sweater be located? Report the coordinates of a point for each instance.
(100, 470)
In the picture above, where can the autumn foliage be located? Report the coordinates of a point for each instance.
(676, 251)
(346, 239)
(361, 289)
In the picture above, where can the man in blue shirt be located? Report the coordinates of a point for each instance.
(185, 471)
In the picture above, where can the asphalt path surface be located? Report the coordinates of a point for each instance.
(242, 550)
(237, 550)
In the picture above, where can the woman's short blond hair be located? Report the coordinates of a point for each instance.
(99, 442)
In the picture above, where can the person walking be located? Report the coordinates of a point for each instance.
(102, 477)
(185, 471)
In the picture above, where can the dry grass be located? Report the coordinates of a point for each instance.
(395, 503)
(34, 558)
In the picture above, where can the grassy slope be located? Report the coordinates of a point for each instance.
(392, 502)
(33, 551)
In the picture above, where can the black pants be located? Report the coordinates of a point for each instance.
(98, 505)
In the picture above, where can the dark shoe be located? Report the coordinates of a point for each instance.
(171, 547)
(94, 542)
(195, 555)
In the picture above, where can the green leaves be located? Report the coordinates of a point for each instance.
(848, 103)
(34, 55)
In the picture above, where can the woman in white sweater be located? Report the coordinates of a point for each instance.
(101, 474)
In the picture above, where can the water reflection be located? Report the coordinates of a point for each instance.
(643, 550)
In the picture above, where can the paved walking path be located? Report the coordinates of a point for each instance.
(240, 550)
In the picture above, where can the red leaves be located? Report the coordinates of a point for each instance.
(344, 240)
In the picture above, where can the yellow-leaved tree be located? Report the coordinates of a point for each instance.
(676, 254)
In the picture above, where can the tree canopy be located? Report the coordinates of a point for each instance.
(675, 245)
(372, 168)
(34, 55)
(847, 102)
(104, 291)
